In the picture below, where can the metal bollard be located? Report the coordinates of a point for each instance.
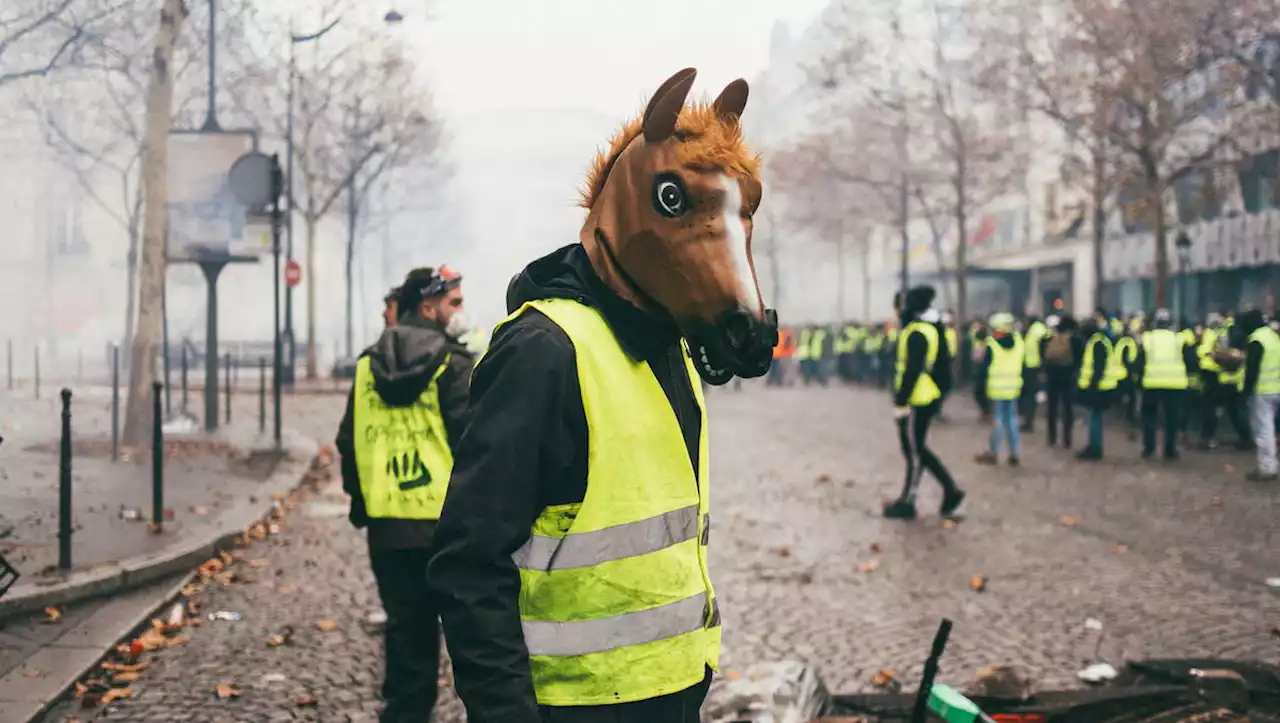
(37, 357)
(184, 377)
(64, 486)
(115, 402)
(228, 386)
(262, 395)
(157, 457)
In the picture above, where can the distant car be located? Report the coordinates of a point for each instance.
(345, 368)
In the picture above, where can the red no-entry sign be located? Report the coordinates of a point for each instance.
(292, 273)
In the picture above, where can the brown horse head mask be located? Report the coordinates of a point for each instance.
(669, 226)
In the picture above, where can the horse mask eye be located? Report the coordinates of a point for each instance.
(669, 196)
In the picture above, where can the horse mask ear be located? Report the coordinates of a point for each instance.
(664, 108)
(731, 101)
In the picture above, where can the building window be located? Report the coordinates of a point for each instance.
(1260, 182)
(1197, 198)
(1050, 204)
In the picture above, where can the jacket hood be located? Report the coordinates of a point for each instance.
(1004, 339)
(406, 357)
(566, 273)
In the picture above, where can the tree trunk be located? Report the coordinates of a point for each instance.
(312, 370)
(155, 166)
(962, 248)
(131, 291)
(840, 279)
(349, 262)
(1099, 192)
(866, 277)
(1162, 250)
(775, 268)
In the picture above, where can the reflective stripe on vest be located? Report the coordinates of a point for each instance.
(953, 342)
(926, 390)
(817, 346)
(1035, 335)
(802, 347)
(402, 453)
(1269, 369)
(1108, 380)
(1004, 376)
(1126, 352)
(616, 602)
(1163, 367)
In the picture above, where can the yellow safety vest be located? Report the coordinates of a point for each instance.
(402, 453)
(1108, 380)
(1208, 345)
(873, 342)
(1163, 368)
(1126, 352)
(1004, 376)
(802, 347)
(847, 342)
(926, 391)
(953, 342)
(816, 343)
(616, 602)
(1269, 370)
(1035, 335)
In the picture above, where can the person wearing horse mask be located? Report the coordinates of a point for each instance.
(571, 557)
(405, 413)
(922, 376)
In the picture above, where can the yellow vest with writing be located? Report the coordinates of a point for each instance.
(615, 599)
(402, 453)
(926, 391)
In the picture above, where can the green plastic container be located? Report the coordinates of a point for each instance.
(951, 706)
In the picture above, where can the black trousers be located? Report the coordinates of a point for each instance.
(412, 638)
(1027, 399)
(682, 707)
(913, 435)
(1215, 395)
(1157, 403)
(1061, 389)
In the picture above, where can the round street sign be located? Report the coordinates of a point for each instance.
(292, 274)
(251, 180)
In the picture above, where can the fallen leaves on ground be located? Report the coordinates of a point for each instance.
(327, 626)
(1275, 630)
(1120, 549)
(869, 566)
(32, 673)
(306, 701)
(125, 677)
(123, 668)
(977, 582)
(257, 563)
(948, 524)
(824, 479)
(199, 511)
(226, 690)
(1069, 521)
(1216, 501)
(287, 589)
(51, 615)
(883, 677)
(114, 694)
(781, 551)
(877, 548)
(1229, 468)
(284, 637)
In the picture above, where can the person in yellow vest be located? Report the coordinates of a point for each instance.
(1262, 389)
(1031, 372)
(1127, 387)
(1096, 381)
(1220, 388)
(1001, 370)
(406, 411)
(1164, 365)
(804, 344)
(819, 355)
(571, 559)
(922, 375)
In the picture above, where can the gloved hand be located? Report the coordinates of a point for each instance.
(901, 413)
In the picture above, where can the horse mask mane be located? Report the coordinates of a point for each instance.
(669, 224)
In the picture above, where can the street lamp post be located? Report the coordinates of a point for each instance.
(391, 18)
(1183, 247)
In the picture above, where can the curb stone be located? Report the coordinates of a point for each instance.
(127, 574)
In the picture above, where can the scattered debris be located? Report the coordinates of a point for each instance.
(284, 637)
(1093, 624)
(1097, 673)
(132, 514)
(977, 582)
(226, 690)
(173, 621)
(824, 478)
(225, 615)
(1069, 521)
(257, 563)
(948, 524)
(32, 673)
(1005, 682)
(1275, 631)
(114, 694)
(877, 548)
(781, 551)
(199, 511)
(375, 621)
(51, 615)
(1120, 549)
(327, 626)
(869, 566)
(274, 678)
(805, 578)
(1216, 501)
(886, 678)
(305, 701)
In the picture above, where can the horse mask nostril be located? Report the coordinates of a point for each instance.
(738, 326)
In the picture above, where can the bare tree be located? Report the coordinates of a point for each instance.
(39, 36)
(1146, 87)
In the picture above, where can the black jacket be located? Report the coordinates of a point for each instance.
(917, 353)
(526, 449)
(402, 362)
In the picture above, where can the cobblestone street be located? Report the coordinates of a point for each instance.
(1172, 559)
